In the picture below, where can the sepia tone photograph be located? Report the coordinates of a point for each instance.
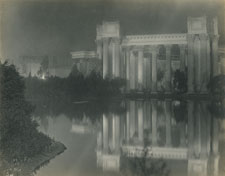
(112, 88)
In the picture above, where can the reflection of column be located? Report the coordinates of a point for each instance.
(116, 133)
(197, 130)
(154, 122)
(132, 70)
(154, 70)
(215, 54)
(140, 122)
(99, 48)
(105, 58)
(128, 68)
(182, 135)
(190, 64)
(190, 128)
(128, 125)
(182, 57)
(168, 123)
(168, 67)
(132, 118)
(215, 136)
(105, 133)
(140, 69)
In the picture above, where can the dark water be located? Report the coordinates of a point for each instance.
(137, 137)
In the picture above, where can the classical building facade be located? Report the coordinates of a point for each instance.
(148, 62)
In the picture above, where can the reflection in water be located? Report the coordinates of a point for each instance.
(170, 130)
(138, 137)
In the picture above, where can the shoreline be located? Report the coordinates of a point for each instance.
(40, 160)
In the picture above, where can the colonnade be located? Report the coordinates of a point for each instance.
(142, 66)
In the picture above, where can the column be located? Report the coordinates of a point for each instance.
(168, 123)
(140, 122)
(168, 68)
(105, 58)
(197, 63)
(132, 70)
(145, 74)
(140, 69)
(154, 69)
(190, 64)
(204, 79)
(99, 48)
(215, 39)
(182, 57)
(117, 57)
(105, 133)
(209, 70)
(113, 58)
(127, 69)
(154, 122)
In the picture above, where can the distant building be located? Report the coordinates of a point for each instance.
(43, 66)
(86, 62)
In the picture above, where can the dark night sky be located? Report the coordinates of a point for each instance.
(56, 28)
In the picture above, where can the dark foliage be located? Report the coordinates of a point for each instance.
(19, 138)
(217, 84)
(180, 81)
(74, 87)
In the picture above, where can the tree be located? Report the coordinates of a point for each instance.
(180, 81)
(19, 138)
(217, 84)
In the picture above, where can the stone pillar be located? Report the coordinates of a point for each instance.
(154, 122)
(204, 74)
(168, 68)
(105, 58)
(190, 64)
(215, 39)
(145, 74)
(117, 57)
(140, 69)
(182, 57)
(99, 48)
(140, 122)
(127, 69)
(209, 64)
(154, 69)
(105, 133)
(132, 70)
(168, 123)
(197, 63)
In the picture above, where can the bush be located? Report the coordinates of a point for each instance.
(19, 138)
(217, 84)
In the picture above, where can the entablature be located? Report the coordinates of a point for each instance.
(157, 39)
